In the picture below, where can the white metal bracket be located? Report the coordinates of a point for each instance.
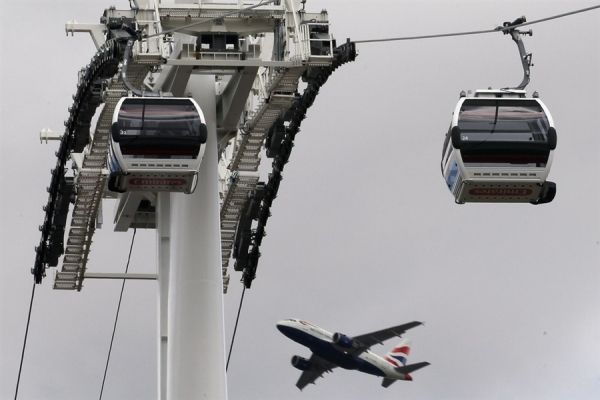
(118, 275)
(96, 31)
(48, 134)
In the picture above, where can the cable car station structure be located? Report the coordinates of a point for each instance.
(185, 97)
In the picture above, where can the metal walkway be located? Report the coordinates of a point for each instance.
(90, 183)
(246, 158)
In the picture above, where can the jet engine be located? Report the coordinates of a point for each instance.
(301, 363)
(343, 341)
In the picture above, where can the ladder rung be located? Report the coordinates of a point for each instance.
(65, 285)
(65, 276)
(68, 267)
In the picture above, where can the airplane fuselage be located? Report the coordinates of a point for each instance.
(320, 342)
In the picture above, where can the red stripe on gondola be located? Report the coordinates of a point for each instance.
(156, 182)
(509, 192)
(505, 158)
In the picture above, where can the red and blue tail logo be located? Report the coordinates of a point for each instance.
(398, 355)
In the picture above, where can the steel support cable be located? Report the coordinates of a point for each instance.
(566, 14)
(497, 29)
(112, 338)
(25, 340)
(235, 328)
(262, 3)
(438, 35)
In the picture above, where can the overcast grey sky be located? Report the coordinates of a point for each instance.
(364, 233)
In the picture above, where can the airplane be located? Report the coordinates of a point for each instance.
(338, 350)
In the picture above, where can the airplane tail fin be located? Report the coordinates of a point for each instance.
(398, 355)
(405, 370)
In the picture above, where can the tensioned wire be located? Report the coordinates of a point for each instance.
(497, 29)
(392, 39)
(237, 320)
(25, 341)
(112, 338)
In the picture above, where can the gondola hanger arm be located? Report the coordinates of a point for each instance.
(523, 55)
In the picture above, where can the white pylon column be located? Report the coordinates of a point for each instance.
(196, 334)
(163, 244)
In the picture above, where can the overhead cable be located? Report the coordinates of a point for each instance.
(117, 316)
(262, 3)
(558, 16)
(497, 29)
(25, 340)
(426, 36)
(235, 328)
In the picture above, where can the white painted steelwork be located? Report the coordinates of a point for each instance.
(90, 180)
(163, 256)
(275, 64)
(116, 275)
(196, 343)
(47, 134)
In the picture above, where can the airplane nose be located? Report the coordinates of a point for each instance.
(281, 326)
(284, 327)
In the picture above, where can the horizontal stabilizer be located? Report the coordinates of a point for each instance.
(387, 382)
(407, 369)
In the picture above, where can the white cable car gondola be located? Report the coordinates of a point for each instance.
(156, 145)
(499, 149)
(499, 145)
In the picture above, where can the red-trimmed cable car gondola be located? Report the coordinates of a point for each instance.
(500, 142)
(499, 149)
(157, 144)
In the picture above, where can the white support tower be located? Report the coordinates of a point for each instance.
(243, 65)
(196, 332)
(163, 257)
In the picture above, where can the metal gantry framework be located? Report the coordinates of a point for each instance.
(258, 57)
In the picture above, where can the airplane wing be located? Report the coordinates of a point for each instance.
(378, 337)
(318, 367)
